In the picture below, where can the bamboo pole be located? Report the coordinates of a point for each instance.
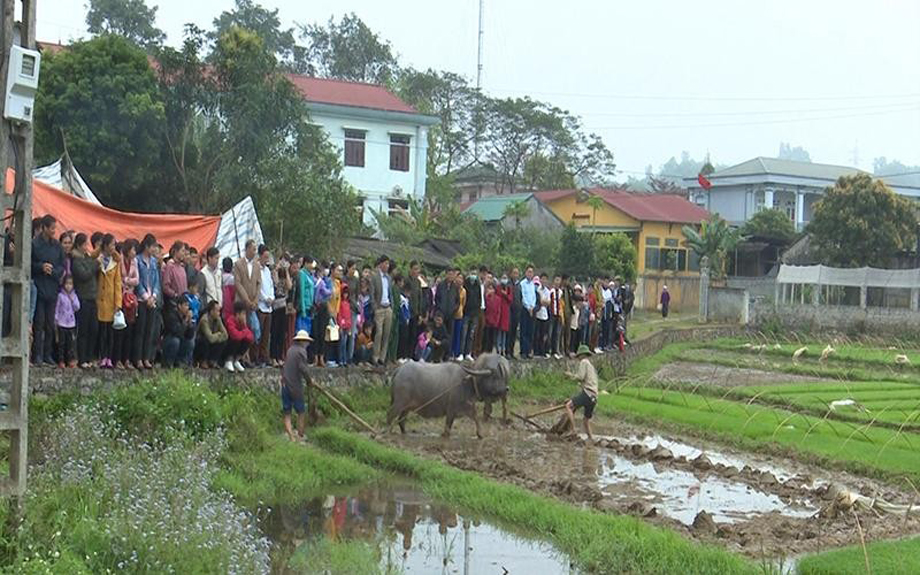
(547, 410)
(536, 424)
(338, 403)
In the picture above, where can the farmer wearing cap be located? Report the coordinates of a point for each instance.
(587, 397)
(293, 375)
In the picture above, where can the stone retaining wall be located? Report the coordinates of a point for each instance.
(49, 381)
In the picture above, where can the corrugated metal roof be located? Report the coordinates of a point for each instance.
(648, 207)
(778, 167)
(492, 209)
(342, 93)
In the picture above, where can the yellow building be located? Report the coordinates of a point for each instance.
(654, 222)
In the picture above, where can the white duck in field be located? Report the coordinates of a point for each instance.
(901, 359)
(828, 351)
(799, 353)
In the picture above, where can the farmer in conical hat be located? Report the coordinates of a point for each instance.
(586, 375)
(293, 375)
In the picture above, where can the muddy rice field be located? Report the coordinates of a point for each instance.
(770, 452)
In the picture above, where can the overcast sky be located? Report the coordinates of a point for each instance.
(654, 77)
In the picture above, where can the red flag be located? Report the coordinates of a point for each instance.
(704, 183)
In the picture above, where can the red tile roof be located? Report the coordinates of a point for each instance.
(342, 93)
(553, 195)
(648, 207)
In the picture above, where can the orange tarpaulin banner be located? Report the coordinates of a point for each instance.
(73, 213)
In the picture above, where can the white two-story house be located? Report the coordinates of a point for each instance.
(383, 140)
(739, 192)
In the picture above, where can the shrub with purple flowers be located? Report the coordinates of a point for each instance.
(103, 500)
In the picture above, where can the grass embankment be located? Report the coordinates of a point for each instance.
(885, 558)
(596, 542)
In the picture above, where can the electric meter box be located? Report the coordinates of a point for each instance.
(21, 84)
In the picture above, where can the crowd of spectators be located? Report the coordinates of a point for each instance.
(102, 303)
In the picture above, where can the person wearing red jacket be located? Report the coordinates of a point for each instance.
(492, 317)
(506, 295)
(241, 337)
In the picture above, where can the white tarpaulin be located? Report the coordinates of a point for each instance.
(855, 277)
(63, 176)
(237, 225)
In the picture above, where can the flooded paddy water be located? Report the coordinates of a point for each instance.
(412, 533)
(759, 506)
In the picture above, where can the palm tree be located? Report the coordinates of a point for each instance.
(595, 203)
(714, 240)
(517, 210)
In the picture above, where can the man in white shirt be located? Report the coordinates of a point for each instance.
(213, 279)
(266, 299)
(544, 294)
(586, 375)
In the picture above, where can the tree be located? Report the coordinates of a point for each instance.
(101, 96)
(882, 167)
(131, 19)
(349, 50)
(517, 210)
(576, 253)
(595, 203)
(616, 256)
(266, 24)
(714, 240)
(271, 149)
(798, 153)
(663, 185)
(193, 137)
(861, 222)
(772, 224)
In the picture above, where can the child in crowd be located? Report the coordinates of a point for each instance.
(422, 349)
(65, 319)
(212, 338)
(194, 302)
(364, 351)
(439, 342)
(178, 333)
(240, 338)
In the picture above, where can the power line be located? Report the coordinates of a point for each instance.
(753, 123)
(751, 113)
(711, 98)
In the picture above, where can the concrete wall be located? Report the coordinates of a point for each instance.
(728, 305)
(757, 287)
(851, 319)
(685, 291)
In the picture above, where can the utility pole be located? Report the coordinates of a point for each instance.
(478, 82)
(16, 140)
(479, 52)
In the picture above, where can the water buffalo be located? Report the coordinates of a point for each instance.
(444, 389)
(498, 365)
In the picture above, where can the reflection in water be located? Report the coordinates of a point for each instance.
(681, 494)
(415, 534)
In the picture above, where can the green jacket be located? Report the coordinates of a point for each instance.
(85, 271)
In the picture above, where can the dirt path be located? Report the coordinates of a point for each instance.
(761, 507)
